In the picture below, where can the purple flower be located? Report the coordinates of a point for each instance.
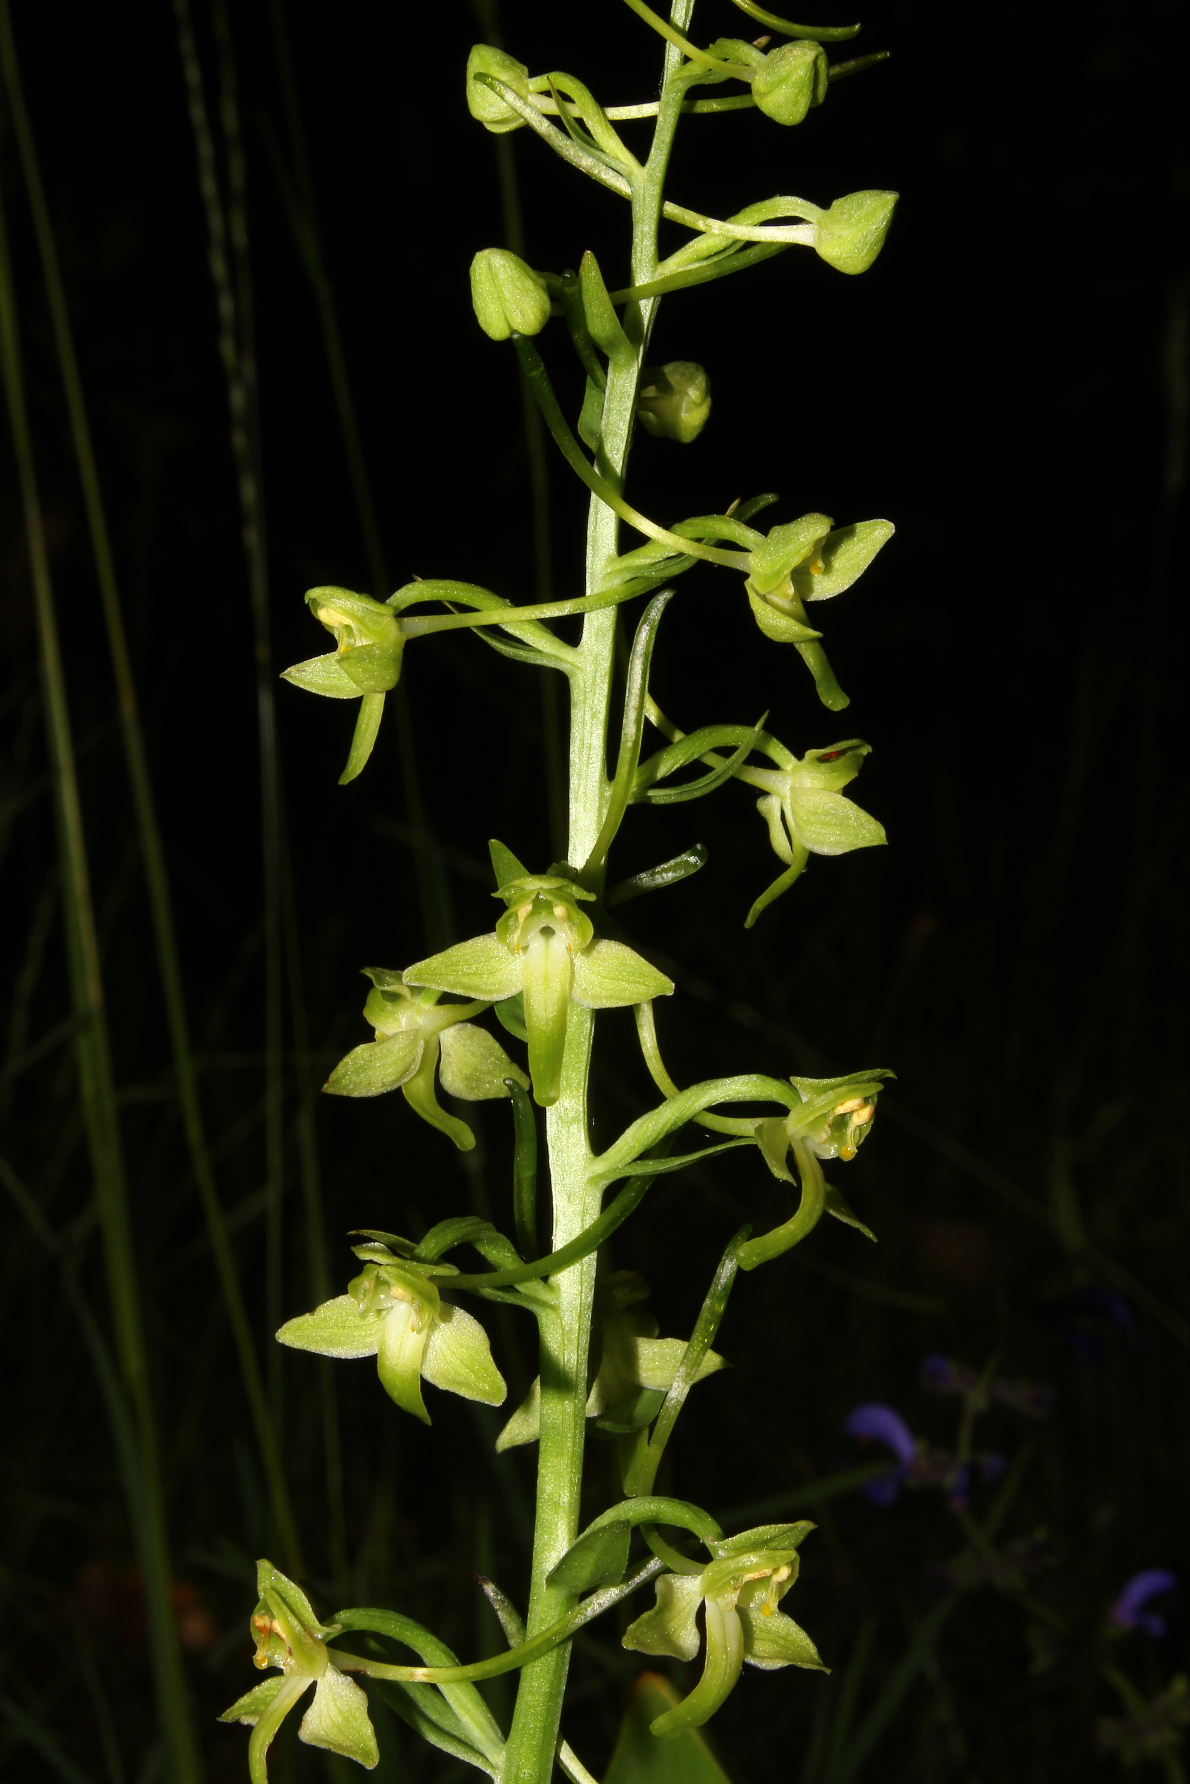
(1128, 1612)
(881, 1424)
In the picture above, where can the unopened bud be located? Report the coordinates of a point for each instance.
(851, 233)
(483, 102)
(507, 296)
(791, 80)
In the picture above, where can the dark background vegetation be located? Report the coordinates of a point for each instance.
(1009, 385)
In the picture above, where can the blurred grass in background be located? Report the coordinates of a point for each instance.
(240, 361)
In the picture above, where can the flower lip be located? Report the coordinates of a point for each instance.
(1128, 1611)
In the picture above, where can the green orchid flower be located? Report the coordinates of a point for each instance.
(416, 1037)
(806, 813)
(544, 951)
(833, 1120)
(289, 1636)
(675, 400)
(393, 1312)
(364, 665)
(738, 1594)
(809, 559)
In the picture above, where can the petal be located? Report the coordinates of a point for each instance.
(249, 1708)
(786, 547)
(525, 1424)
(404, 1331)
(458, 1357)
(363, 738)
(374, 668)
(338, 1720)
(657, 1361)
(338, 1328)
(608, 975)
(776, 1640)
(885, 1426)
(671, 1627)
(830, 768)
(772, 811)
(781, 884)
(482, 967)
(781, 627)
(830, 824)
(475, 1065)
(419, 1094)
(548, 975)
(845, 555)
(323, 675)
(377, 1066)
(721, 1669)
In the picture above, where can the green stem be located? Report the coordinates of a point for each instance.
(565, 1331)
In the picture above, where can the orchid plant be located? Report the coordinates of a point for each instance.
(555, 958)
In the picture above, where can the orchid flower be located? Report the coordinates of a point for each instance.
(544, 951)
(289, 1636)
(396, 1314)
(738, 1594)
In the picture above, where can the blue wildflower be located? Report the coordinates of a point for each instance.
(918, 1464)
(873, 1422)
(1128, 1612)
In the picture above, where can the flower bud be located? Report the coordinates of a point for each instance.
(507, 296)
(792, 79)
(675, 400)
(491, 110)
(851, 233)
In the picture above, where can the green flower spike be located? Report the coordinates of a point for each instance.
(508, 297)
(364, 666)
(544, 950)
(416, 1037)
(739, 1593)
(808, 815)
(289, 1636)
(395, 1314)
